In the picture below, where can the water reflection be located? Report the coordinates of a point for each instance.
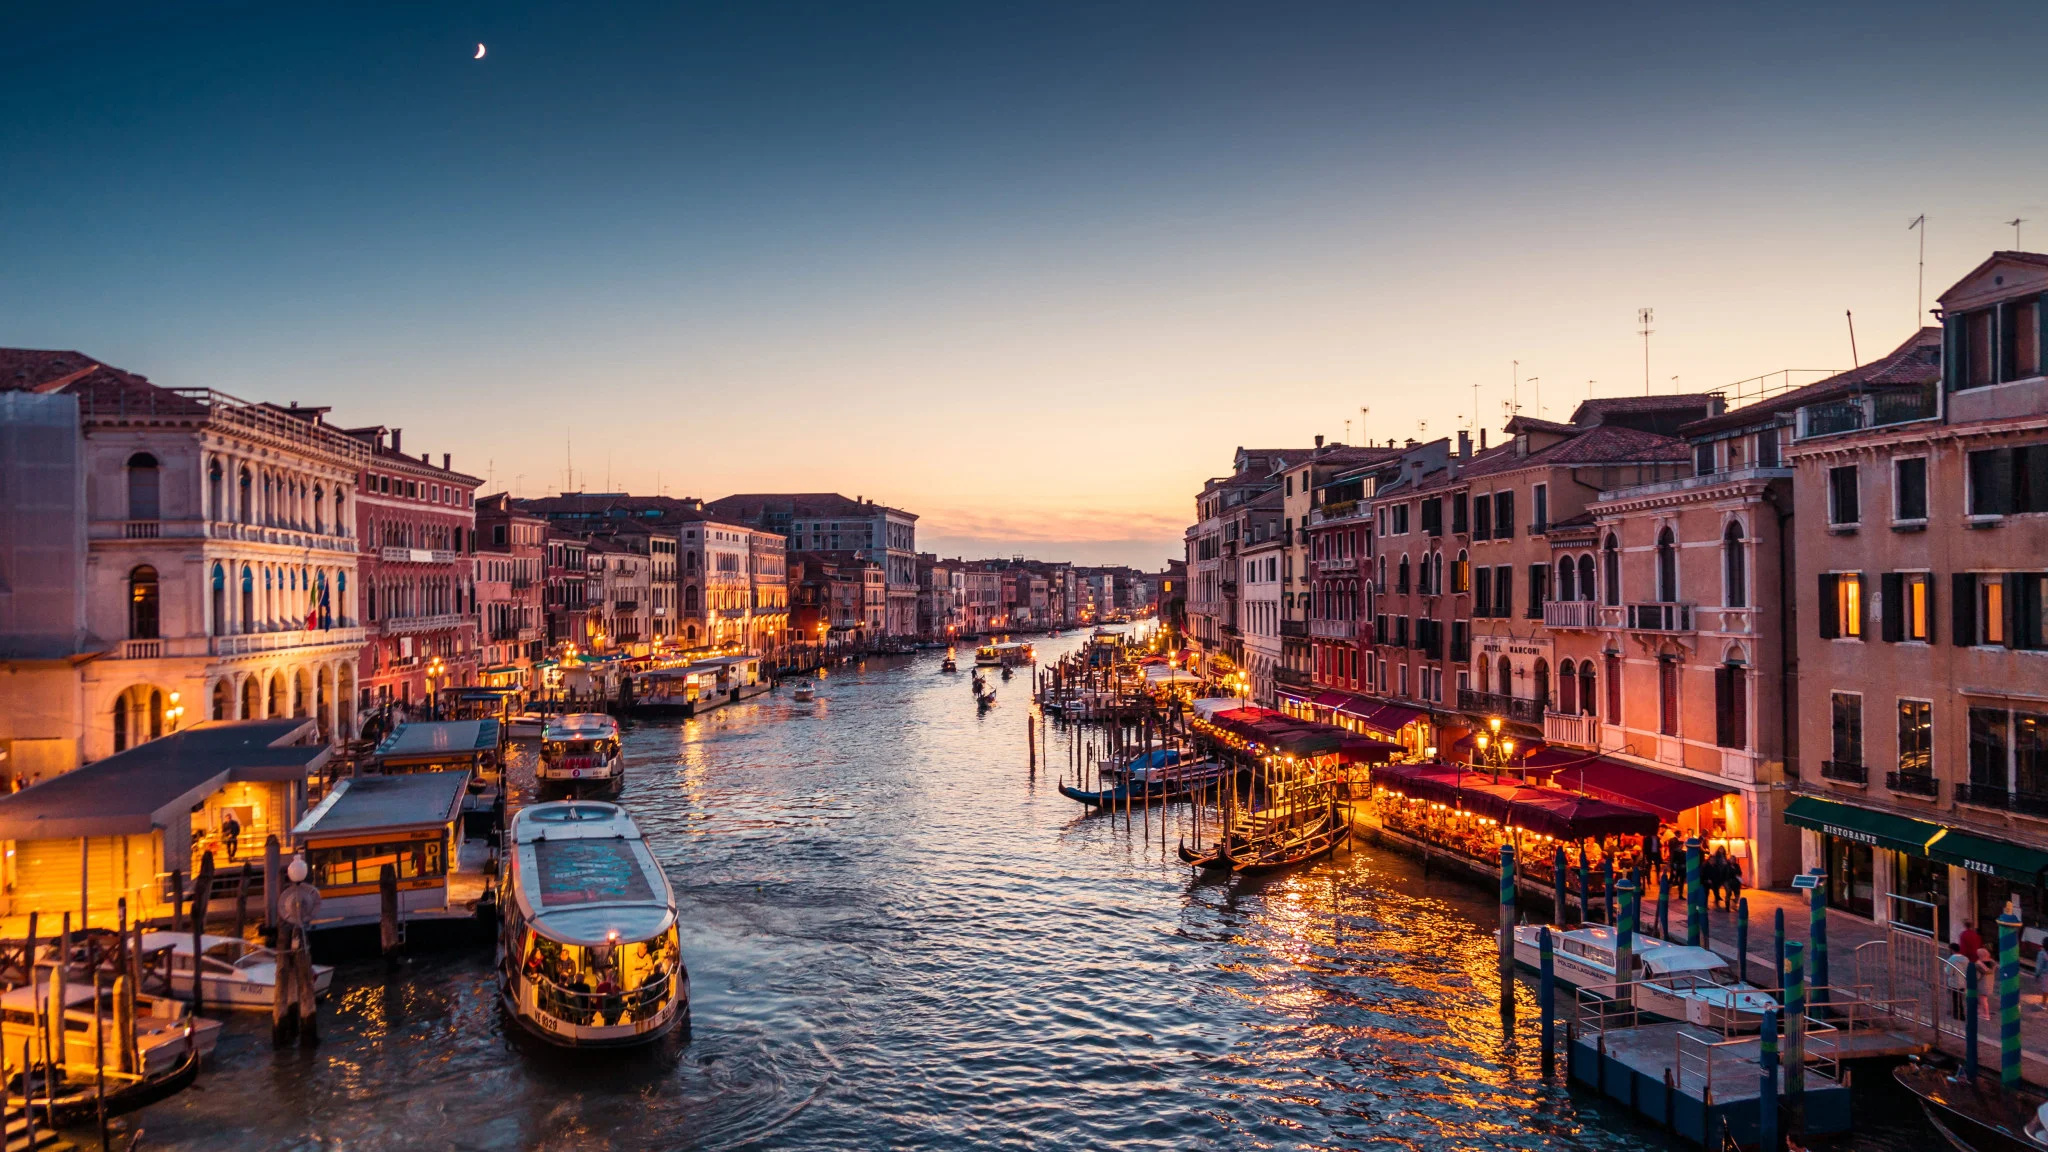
(901, 936)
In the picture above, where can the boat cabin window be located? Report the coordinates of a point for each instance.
(600, 984)
(555, 750)
(361, 863)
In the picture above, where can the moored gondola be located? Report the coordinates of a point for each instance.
(1976, 1116)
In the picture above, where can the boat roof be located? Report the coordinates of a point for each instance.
(581, 726)
(395, 803)
(1668, 958)
(585, 873)
(439, 738)
(25, 998)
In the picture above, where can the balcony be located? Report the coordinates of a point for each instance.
(142, 529)
(1660, 617)
(1495, 704)
(625, 605)
(1331, 629)
(219, 530)
(1346, 564)
(1574, 728)
(1913, 784)
(2004, 799)
(277, 641)
(1294, 628)
(417, 555)
(408, 624)
(1293, 676)
(1581, 614)
(1228, 629)
(141, 649)
(1845, 771)
(1874, 409)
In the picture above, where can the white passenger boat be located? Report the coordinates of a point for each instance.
(804, 694)
(1003, 655)
(165, 1029)
(588, 954)
(238, 974)
(581, 750)
(1694, 985)
(527, 725)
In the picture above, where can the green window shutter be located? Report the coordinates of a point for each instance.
(1953, 342)
(1963, 609)
(1893, 606)
(1933, 614)
(1830, 606)
(1863, 587)
(2015, 610)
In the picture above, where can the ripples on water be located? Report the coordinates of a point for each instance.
(898, 936)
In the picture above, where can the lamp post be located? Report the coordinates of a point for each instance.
(434, 670)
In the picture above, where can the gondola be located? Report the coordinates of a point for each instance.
(79, 1103)
(1976, 1116)
(1301, 850)
(1215, 859)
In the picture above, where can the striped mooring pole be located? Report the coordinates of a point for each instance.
(1625, 935)
(1817, 939)
(1695, 903)
(1559, 883)
(2009, 998)
(1767, 1095)
(1607, 881)
(1778, 951)
(1795, 1026)
(1507, 931)
(1546, 997)
(1664, 905)
(1742, 938)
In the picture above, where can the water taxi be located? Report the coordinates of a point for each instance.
(804, 694)
(1003, 655)
(588, 953)
(581, 750)
(237, 973)
(1674, 981)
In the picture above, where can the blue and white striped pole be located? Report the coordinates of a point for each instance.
(1817, 939)
(1507, 931)
(1767, 1094)
(1546, 996)
(1795, 1023)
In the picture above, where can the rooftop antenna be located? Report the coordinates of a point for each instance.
(1589, 389)
(2015, 223)
(568, 462)
(1854, 359)
(1538, 381)
(1515, 385)
(1475, 403)
(1347, 431)
(1919, 225)
(1644, 316)
(1362, 414)
(517, 485)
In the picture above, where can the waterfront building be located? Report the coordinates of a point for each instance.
(512, 581)
(941, 597)
(1300, 483)
(1415, 544)
(418, 574)
(1262, 549)
(219, 571)
(984, 588)
(1212, 545)
(620, 583)
(566, 598)
(1921, 528)
(829, 522)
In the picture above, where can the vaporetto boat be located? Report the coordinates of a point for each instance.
(1674, 981)
(589, 951)
(579, 752)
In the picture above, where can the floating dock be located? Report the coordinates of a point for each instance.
(1696, 1082)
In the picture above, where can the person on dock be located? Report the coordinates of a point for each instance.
(1955, 975)
(230, 833)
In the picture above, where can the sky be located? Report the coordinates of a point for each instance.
(1032, 272)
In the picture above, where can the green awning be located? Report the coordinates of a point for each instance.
(1863, 825)
(1991, 857)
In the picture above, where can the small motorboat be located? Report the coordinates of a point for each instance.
(804, 694)
(1673, 981)
(1977, 1116)
(237, 973)
(949, 665)
(166, 1032)
(527, 726)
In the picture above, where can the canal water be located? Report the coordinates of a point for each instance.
(899, 936)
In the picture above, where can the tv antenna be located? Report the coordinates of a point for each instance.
(1644, 317)
(1536, 380)
(1362, 414)
(1854, 360)
(1919, 224)
(2014, 224)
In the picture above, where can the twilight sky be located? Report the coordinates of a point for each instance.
(1032, 272)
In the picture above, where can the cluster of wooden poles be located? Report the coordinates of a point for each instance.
(293, 1011)
(126, 960)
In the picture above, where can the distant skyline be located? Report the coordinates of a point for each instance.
(1030, 273)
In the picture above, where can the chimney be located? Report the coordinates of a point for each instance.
(1482, 439)
(1464, 445)
(1411, 442)
(444, 462)
(1319, 443)
(427, 458)
(398, 439)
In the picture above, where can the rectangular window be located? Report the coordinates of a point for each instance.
(1909, 488)
(1767, 448)
(2030, 752)
(1988, 749)
(1908, 606)
(1916, 737)
(1504, 590)
(1849, 620)
(2025, 327)
(1731, 706)
(1482, 518)
(1843, 507)
(1433, 516)
(1458, 517)
(1848, 728)
(1504, 515)
(1613, 663)
(1991, 604)
(1482, 592)
(1703, 459)
(1539, 496)
(1667, 697)
(1539, 589)
(1404, 679)
(1977, 334)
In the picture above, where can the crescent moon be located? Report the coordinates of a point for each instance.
(479, 52)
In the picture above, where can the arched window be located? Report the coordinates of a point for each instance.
(690, 599)
(245, 509)
(1567, 580)
(1667, 567)
(319, 509)
(1507, 677)
(1401, 576)
(218, 626)
(142, 486)
(276, 696)
(248, 599)
(1586, 698)
(1485, 674)
(1542, 683)
(340, 514)
(341, 597)
(142, 604)
(1586, 577)
(213, 491)
(1735, 567)
(1610, 555)
(250, 700)
(220, 700)
(1567, 688)
(121, 722)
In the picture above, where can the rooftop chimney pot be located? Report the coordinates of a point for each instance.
(444, 461)
(1464, 445)
(398, 439)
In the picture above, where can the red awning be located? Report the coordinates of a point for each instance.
(1329, 699)
(1667, 796)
